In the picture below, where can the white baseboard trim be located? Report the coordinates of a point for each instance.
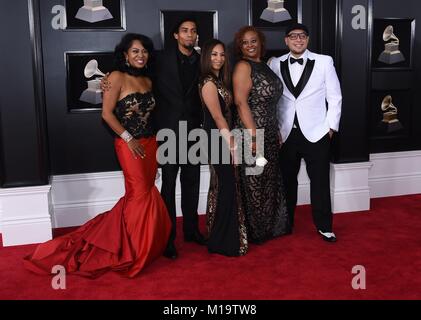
(348, 183)
(25, 215)
(78, 198)
(94, 193)
(77, 214)
(349, 187)
(350, 201)
(25, 212)
(395, 174)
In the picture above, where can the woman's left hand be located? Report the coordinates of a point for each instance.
(136, 148)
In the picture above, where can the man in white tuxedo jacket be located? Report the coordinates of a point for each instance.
(309, 113)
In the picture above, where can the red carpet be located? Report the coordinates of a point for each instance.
(385, 240)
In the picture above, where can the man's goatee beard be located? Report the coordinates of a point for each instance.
(189, 47)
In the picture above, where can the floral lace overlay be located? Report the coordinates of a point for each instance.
(263, 195)
(234, 218)
(133, 112)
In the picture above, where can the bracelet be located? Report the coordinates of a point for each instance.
(126, 136)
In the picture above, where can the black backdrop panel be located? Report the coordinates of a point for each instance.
(81, 142)
(392, 80)
(400, 80)
(24, 157)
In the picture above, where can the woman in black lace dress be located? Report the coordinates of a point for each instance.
(225, 217)
(135, 231)
(257, 90)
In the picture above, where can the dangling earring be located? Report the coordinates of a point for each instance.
(127, 63)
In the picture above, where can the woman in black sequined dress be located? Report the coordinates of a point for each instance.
(257, 90)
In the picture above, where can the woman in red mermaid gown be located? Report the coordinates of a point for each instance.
(136, 230)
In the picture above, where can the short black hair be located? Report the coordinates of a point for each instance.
(124, 46)
(179, 22)
(296, 26)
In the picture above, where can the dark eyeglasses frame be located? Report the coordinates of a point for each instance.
(295, 36)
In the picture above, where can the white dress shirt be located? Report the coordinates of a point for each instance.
(296, 69)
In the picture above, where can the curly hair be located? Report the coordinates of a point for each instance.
(124, 46)
(238, 39)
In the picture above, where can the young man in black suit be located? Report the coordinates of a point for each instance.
(177, 95)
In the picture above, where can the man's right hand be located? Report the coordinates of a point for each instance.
(105, 83)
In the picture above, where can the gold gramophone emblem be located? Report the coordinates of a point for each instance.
(390, 122)
(390, 112)
(391, 53)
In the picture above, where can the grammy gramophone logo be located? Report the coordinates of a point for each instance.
(93, 94)
(275, 12)
(93, 11)
(391, 53)
(390, 122)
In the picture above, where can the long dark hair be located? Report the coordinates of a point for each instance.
(206, 64)
(124, 46)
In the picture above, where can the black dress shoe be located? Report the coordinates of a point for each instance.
(195, 237)
(328, 236)
(171, 252)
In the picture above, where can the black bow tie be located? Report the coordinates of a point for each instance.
(293, 60)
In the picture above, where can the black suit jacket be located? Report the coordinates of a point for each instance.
(173, 105)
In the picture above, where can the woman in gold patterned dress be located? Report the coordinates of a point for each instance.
(226, 229)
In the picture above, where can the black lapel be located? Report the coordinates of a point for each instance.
(308, 70)
(286, 75)
(194, 83)
(173, 74)
(196, 77)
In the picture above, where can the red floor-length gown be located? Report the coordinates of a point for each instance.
(134, 232)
